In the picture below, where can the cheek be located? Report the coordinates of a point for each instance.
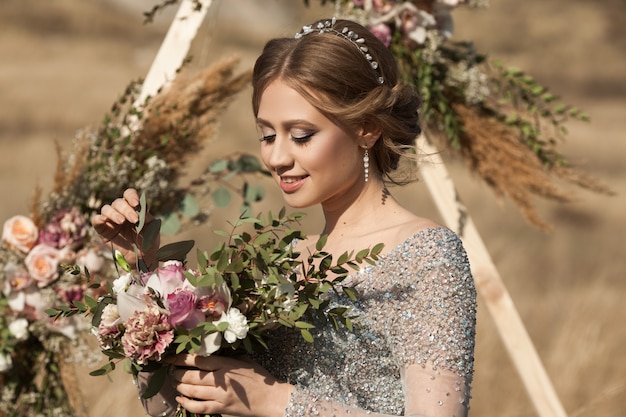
(265, 156)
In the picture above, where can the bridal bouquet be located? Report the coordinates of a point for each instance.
(251, 283)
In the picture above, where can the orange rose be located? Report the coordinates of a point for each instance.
(20, 233)
(42, 263)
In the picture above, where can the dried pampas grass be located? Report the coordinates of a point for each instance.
(180, 119)
(510, 168)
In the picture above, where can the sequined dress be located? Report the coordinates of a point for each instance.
(417, 309)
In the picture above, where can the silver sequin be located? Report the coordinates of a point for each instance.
(417, 305)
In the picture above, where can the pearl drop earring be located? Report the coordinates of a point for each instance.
(366, 164)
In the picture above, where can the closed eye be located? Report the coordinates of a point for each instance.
(302, 139)
(268, 138)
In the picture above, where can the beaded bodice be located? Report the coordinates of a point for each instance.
(416, 306)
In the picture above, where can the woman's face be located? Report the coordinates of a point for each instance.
(312, 159)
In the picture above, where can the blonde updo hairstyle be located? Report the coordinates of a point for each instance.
(336, 78)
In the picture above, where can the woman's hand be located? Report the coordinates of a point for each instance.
(218, 384)
(116, 224)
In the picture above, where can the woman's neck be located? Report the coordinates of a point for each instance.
(361, 215)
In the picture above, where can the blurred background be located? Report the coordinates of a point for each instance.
(64, 62)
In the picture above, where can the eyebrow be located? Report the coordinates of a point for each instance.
(287, 124)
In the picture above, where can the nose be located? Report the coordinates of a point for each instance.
(279, 154)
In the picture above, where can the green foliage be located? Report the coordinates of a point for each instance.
(521, 102)
(266, 278)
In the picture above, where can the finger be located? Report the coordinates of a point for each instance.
(106, 228)
(193, 376)
(132, 197)
(110, 215)
(199, 406)
(126, 210)
(207, 363)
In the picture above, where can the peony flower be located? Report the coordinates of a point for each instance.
(6, 362)
(383, 33)
(19, 328)
(237, 325)
(182, 307)
(42, 263)
(20, 232)
(147, 335)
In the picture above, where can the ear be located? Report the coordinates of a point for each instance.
(369, 134)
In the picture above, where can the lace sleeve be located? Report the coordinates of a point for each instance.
(433, 331)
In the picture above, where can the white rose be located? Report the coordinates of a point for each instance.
(120, 284)
(237, 325)
(19, 329)
(6, 362)
(90, 259)
(20, 232)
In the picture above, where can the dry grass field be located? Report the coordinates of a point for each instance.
(64, 62)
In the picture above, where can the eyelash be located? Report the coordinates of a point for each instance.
(300, 139)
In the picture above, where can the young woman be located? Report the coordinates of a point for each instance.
(334, 121)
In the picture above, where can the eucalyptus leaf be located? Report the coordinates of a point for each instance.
(189, 206)
(222, 197)
(170, 224)
(143, 207)
(218, 166)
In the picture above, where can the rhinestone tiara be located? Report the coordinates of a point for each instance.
(354, 38)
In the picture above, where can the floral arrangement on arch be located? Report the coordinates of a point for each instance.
(146, 145)
(500, 120)
(33, 280)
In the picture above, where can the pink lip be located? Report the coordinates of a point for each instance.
(290, 187)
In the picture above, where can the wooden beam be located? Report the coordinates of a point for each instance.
(489, 284)
(175, 47)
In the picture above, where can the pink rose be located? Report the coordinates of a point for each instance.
(42, 263)
(167, 278)
(182, 307)
(383, 33)
(20, 232)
